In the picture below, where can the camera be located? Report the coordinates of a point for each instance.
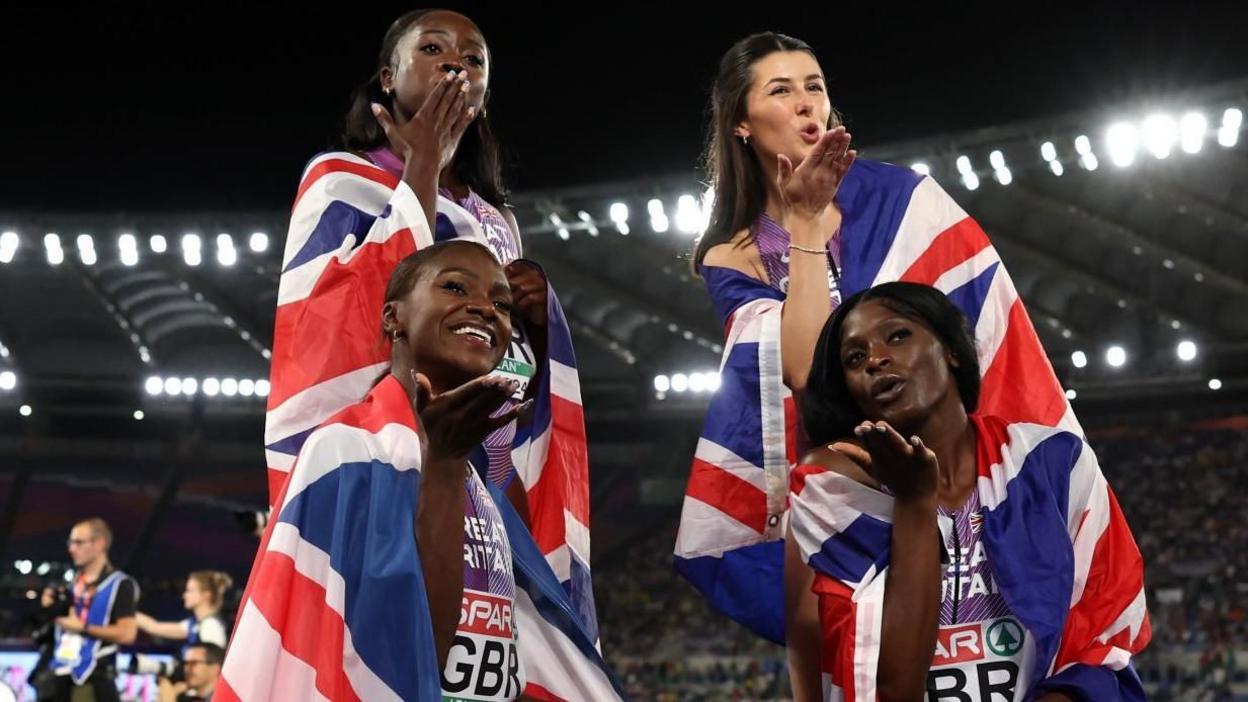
(170, 669)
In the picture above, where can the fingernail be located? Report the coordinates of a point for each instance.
(880, 429)
(914, 440)
(376, 108)
(472, 111)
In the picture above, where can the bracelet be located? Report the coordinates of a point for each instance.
(803, 249)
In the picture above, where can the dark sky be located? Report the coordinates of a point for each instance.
(218, 105)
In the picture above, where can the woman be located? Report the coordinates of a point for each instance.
(203, 596)
(799, 222)
(418, 162)
(374, 516)
(929, 527)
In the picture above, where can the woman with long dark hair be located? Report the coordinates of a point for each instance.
(417, 162)
(797, 223)
(929, 525)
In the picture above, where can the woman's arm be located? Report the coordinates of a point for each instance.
(174, 631)
(801, 625)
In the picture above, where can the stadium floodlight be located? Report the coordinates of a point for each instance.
(1116, 356)
(1122, 140)
(159, 244)
(1079, 359)
(1159, 133)
(662, 383)
(1186, 351)
(1192, 128)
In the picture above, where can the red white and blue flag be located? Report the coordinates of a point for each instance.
(1062, 557)
(351, 223)
(896, 225)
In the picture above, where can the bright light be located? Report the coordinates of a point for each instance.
(564, 233)
(1089, 162)
(1159, 132)
(227, 255)
(259, 242)
(24, 567)
(154, 385)
(1003, 176)
(138, 415)
(44, 568)
(25, 410)
(619, 215)
(688, 216)
(87, 257)
(1083, 145)
(1215, 384)
(1192, 127)
(8, 380)
(1186, 350)
(658, 218)
(129, 248)
(262, 388)
(1116, 356)
(52, 244)
(85, 242)
(1079, 359)
(9, 242)
(1048, 151)
(190, 386)
(192, 249)
(1056, 167)
(1123, 140)
(970, 180)
(697, 382)
(1232, 119)
(1228, 134)
(997, 159)
(920, 168)
(158, 244)
(173, 386)
(662, 383)
(712, 381)
(229, 387)
(246, 388)
(964, 165)
(1071, 394)
(680, 382)
(212, 386)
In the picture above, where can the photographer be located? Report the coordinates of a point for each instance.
(201, 666)
(92, 620)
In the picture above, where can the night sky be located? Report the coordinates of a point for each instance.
(218, 105)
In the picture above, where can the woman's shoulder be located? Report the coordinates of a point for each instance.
(738, 253)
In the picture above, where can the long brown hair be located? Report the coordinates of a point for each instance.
(736, 176)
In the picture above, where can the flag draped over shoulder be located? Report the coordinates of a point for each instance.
(896, 226)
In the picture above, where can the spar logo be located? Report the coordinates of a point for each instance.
(1005, 638)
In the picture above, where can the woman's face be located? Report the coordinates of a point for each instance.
(193, 595)
(439, 42)
(457, 318)
(786, 108)
(896, 369)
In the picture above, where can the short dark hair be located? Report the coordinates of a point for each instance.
(213, 654)
(828, 411)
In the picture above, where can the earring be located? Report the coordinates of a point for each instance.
(387, 91)
(745, 139)
(394, 335)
